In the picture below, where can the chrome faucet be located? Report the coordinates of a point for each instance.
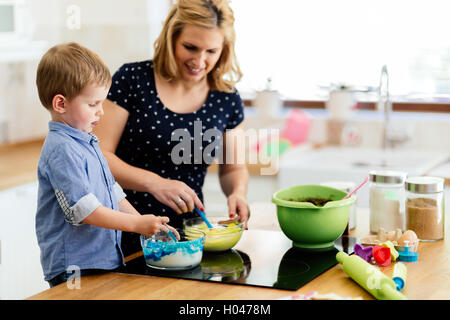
(385, 104)
(391, 138)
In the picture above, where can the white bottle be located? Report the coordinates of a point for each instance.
(268, 102)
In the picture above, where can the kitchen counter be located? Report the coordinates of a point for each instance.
(428, 278)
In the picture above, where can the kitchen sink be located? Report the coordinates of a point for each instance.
(298, 166)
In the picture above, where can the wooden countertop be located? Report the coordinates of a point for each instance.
(428, 278)
(18, 163)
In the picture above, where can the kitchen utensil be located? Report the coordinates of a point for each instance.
(202, 215)
(370, 278)
(381, 255)
(174, 238)
(399, 275)
(169, 255)
(310, 226)
(219, 237)
(357, 188)
(363, 252)
(393, 251)
(228, 221)
(407, 255)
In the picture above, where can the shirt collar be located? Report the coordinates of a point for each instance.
(58, 126)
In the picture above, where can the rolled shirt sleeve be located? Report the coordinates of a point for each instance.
(80, 210)
(118, 191)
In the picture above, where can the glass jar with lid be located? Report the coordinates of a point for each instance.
(387, 200)
(425, 207)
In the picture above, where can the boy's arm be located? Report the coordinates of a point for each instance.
(125, 206)
(111, 219)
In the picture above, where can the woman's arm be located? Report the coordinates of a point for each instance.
(233, 174)
(109, 132)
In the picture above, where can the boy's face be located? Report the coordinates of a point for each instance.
(84, 111)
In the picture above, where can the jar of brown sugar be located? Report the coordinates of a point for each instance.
(425, 207)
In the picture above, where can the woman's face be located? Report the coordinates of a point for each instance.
(197, 51)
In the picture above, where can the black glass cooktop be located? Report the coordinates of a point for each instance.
(261, 258)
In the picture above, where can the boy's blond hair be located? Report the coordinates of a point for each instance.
(67, 69)
(206, 14)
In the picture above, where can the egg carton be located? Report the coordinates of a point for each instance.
(397, 237)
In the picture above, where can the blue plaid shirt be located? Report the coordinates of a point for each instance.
(74, 180)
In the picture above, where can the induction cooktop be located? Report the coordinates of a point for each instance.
(261, 258)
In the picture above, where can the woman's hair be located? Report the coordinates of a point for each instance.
(202, 13)
(67, 69)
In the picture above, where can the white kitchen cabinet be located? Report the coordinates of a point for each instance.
(21, 273)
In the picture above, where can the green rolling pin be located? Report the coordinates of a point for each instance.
(369, 277)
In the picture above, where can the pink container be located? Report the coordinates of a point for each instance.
(297, 126)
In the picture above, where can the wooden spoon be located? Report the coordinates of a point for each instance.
(234, 220)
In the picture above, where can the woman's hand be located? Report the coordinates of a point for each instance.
(233, 176)
(176, 195)
(237, 205)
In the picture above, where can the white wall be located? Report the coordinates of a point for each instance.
(119, 31)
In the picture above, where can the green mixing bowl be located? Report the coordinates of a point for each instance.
(310, 226)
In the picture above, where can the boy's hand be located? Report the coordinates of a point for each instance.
(150, 224)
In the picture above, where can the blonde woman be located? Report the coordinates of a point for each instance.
(167, 119)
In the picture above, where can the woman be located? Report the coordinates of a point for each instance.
(163, 117)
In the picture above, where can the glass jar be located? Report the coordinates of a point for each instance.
(387, 200)
(425, 207)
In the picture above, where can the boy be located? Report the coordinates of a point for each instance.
(80, 206)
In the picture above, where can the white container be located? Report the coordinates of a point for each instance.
(340, 104)
(387, 200)
(268, 103)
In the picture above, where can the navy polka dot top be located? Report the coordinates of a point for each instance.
(177, 146)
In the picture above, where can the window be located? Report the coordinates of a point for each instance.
(13, 21)
(301, 45)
